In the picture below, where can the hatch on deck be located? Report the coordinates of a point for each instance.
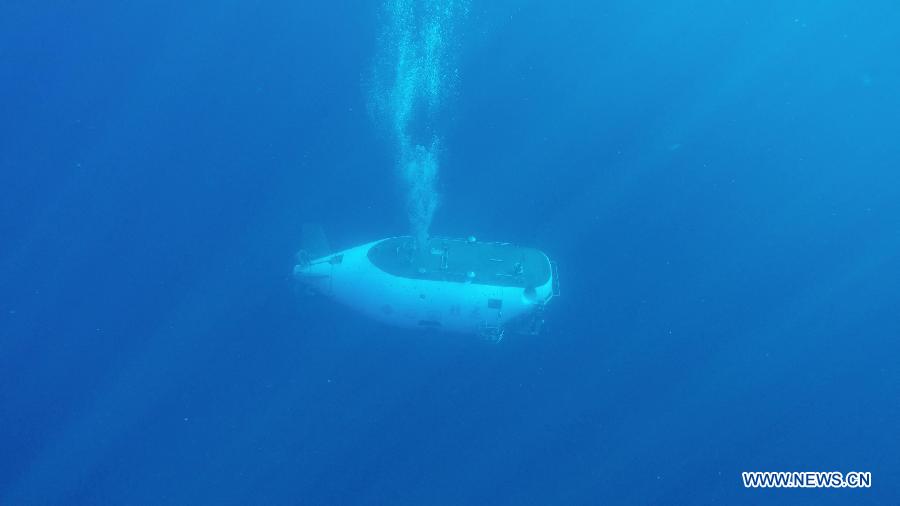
(462, 261)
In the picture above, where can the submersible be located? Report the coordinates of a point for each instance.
(456, 285)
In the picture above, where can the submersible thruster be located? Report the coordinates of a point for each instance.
(455, 285)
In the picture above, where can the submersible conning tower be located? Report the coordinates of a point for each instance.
(456, 285)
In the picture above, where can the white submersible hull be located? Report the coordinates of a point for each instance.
(455, 285)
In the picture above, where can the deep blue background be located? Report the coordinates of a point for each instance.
(718, 181)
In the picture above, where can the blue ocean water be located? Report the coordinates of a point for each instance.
(718, 181)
